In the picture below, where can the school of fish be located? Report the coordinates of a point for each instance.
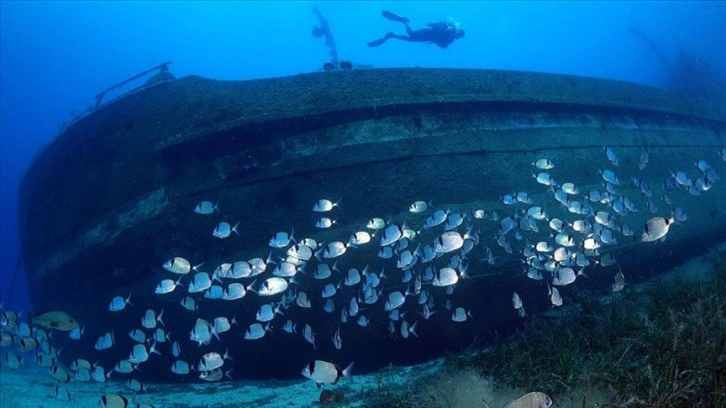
(410, 272)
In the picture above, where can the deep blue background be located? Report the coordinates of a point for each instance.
(55, 57)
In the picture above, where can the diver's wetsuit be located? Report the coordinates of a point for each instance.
(441, 33)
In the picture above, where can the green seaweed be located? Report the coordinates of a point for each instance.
(662, 345)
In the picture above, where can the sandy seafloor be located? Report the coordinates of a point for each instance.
(32, 386)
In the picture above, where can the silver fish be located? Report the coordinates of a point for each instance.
(323, 372)
(376, 224)
(206, 208)
(309, 335)
(213, 360)
(644, 158)
(337, 340)
(201, 333)
(179, 266)
(394, 301)
(167, 286)
(656, 228)
(180, 367)
(544, 164)
(459, 315)
(530, 400)
(324, 222)
(224, 230)
(118, 303)
(324, 205)
(612, 157)
(256, 331)
(418, 207)
(272, 286)
(282, 239)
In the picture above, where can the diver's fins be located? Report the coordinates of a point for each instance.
(394, 17)
(377, 42)
(380, 41)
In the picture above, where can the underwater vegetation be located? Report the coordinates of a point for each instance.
(662, 344)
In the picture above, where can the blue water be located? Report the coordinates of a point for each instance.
(55, 57)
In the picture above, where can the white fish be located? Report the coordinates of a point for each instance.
(437, 218)
(267, 312)
(179, 266)
(324, 222)
(545, 178)
(376, 224)
(394, 301)
(167, 286)
(618, 282)
(188, 303)
(682, 178)
(222, 324)
(62, 393)
(160, 336)
(518, 305)
(544, 164)
(407, 329)
(234, 291)
(323, 372)
(570, 188)
(124, 367)
(555, 297)
(201, 333)
(459, 315)
(453, 220)
(644, 158)
(138, 335)
(98, 374)
(118, 303)
(282, 239)
(391, 234)
(206, 208)
(104, 342)
(448, 241)
(301, 251)
(530, 400)
(337, 340)
(612, 157)
(139, 353)
(175, 349)
(272, 286)
(149, 319)
(180, 367)
(309, 242)
(289, 327)
(324, 205)
(323, 271)
(359, 238)
(200, 283)
(256, 331)
(77, 333)
(609, 176)
(722, 153)
(445, 277)
(334, 249)
(285, 270)
(224, 230)
(213, 360)
(215, 375)
(328, 291)
(309, 335)
(303, 301)
(418, 207)
(656, 228)
(524, 198)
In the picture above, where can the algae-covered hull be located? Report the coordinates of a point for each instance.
(112, 198)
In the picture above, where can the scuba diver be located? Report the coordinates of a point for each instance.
(442, 33)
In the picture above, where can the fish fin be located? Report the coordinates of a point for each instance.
(347, 372)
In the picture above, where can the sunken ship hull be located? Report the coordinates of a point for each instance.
(112, 197)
